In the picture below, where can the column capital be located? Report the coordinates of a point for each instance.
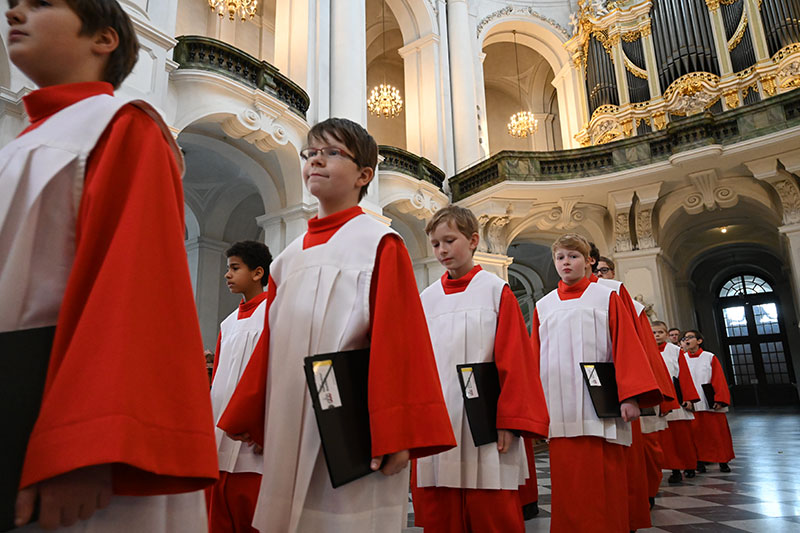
(494, 263)
(205, 243)
(419, 44)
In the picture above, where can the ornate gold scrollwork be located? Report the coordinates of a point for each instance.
(660, 120)
(713, 5)
(739, 34)
(768, 84)
(627, 127)
(692, 93)
(633, 69)
(732, 99)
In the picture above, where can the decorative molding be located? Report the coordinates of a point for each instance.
(495, 233)
(633, 69)
(692, 93)
(565, 216)
(256, 128)
(712, 5)
(739, 33)
(622, 233)
(644, 229)
(708, 193)
(519, 11)
(421, 205)
(790, 199)
(732, 99)
(768, 84)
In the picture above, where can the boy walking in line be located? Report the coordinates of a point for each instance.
(712, 435)
(579, 322)
(233, 498)
(104, 394)
(346, 284)
(474, 317)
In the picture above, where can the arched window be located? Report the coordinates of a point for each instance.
(742, 285)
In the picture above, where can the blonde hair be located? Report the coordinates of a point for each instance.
(572, 241)
(463, 220)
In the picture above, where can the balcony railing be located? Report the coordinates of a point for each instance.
(411, 164)
(205, 53)
(747, 122)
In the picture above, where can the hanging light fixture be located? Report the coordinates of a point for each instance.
(244, 9)
(384, 100)
(521, 123)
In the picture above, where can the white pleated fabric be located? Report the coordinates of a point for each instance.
(700, 367)
(41, 183)
(651, 424)
(321, 306)
(672, 355)
(462, 328)
(238, 339)
(572, 332)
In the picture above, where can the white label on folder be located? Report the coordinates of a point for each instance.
(594, 381)
(470, 389)
(327, 390)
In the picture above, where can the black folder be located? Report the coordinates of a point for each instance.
(601, 380)
(708, 390)
(338, 386)
(24, 357)
(678, 393)
(480, 388)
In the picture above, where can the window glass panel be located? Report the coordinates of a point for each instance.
(774, 362)
(742, 359)
(735, 321)
(741, 285)
(756, 285)
(766, 316)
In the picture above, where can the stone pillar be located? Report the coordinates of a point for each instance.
(792, 234)
(650, 62)
(426, 271)
(543, 139)
(640, 271)
(720, 39)
(756, 28)
(206, 268)
(282, 227)
(572, 101)
(494, 263)
(348, 66)
(425, 127)
(462, 84)
(619, 69)
(619, 207)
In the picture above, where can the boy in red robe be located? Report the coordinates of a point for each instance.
(474, 318)
(109, 415)
(343, 285)
(712, 435)
(586, 322)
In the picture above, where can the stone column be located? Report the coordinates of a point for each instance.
(640, 271)
(348, 66)
(619, 69)
(282, 227)
(650, 62)
(206, 268)
(720, 39)
(572, 101)
(426, 271)
(543, 138)
(494, 263)
(792, 234)
(619, 207)
(756, 28)
(462, 84)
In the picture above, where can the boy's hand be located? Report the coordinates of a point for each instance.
(393, 463)
(65, 499)
(629, 410)
(689, 406)
(504, 440)
(243, 437)
(718, 405)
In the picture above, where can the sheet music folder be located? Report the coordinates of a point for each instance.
(480, 388)
(24, 357)
(601, 380)
(678, 392)
(708, 390)
(338, 386)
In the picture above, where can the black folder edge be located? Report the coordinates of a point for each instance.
(589, 388)
(678, 393)
(710, 394)
(477, 442)
(312, 389)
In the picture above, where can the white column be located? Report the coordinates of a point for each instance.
(425, 132)
(756, 28)
(572, 110)
(206, 268)
(494, 263)
(426, 271)
(650, 63)
(640, 271)
(348, 72)
(543, 138)
(720, 38)
(462, 84)
(792, 233)
(282, 227)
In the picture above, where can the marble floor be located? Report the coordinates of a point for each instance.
(761, 494)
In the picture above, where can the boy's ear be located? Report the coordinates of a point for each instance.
(105, 41)
(258, 273)
(473, 241)
(367, 173)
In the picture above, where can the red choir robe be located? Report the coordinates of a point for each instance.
(529, 492)
(521, 407)
(126, 382)
(677, 442)
(710, 430)
(591, 470)
(411, 391)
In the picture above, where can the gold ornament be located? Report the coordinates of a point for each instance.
(245, 9)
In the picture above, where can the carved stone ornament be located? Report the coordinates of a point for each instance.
(605, 126)
(565, 216)
(708, 193)
(256, 129)
(768, 83)
(790, 200)
(510, 11)
(660, 120)
(789, 74)
(692, 93)
(732, 99)
(420, 205)
(622, 233)
(627, 127)
(644, 229)
(494, 234)
(648, 308)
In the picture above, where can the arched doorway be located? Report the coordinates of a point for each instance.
(753, 334)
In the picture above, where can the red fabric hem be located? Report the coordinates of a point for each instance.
(398, 429)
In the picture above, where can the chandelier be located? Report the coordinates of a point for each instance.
(385, 100)
(521, 123)
(245, 9)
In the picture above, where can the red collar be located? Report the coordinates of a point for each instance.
(247, 308)
(593, 278)
(570, 292)
(452, 286)
(320, 230)
(662, 346)
(44, 103)
(695, 354)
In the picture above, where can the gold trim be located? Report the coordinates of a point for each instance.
(786, 51)
(660, 120)
(753, 87)
(631, 67)
(631, 36)
(732, 99)
(646, 29)
(739, 35)
(768, 84)
(712, 5)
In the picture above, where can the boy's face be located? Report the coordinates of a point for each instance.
(44, 41)
(690, 342)
(604, 271)
(675, 336)
(239, 277)
(660, 333)
(453, 249)
(570, 265)
(332, 175)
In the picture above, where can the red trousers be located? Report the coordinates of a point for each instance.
(451, 510)
(232, 502)
(529, 492)
(712, 437)
(678, 446)
(654, 459)
(589, 486)
(636, 470)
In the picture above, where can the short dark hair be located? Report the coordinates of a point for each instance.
(98, 15)
(354, 137)
(254, 254)
(670, 330)
(594, 253)
(696, 334)
(607, 261)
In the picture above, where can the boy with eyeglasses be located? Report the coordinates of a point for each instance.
(346, 284)
(712, 435)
